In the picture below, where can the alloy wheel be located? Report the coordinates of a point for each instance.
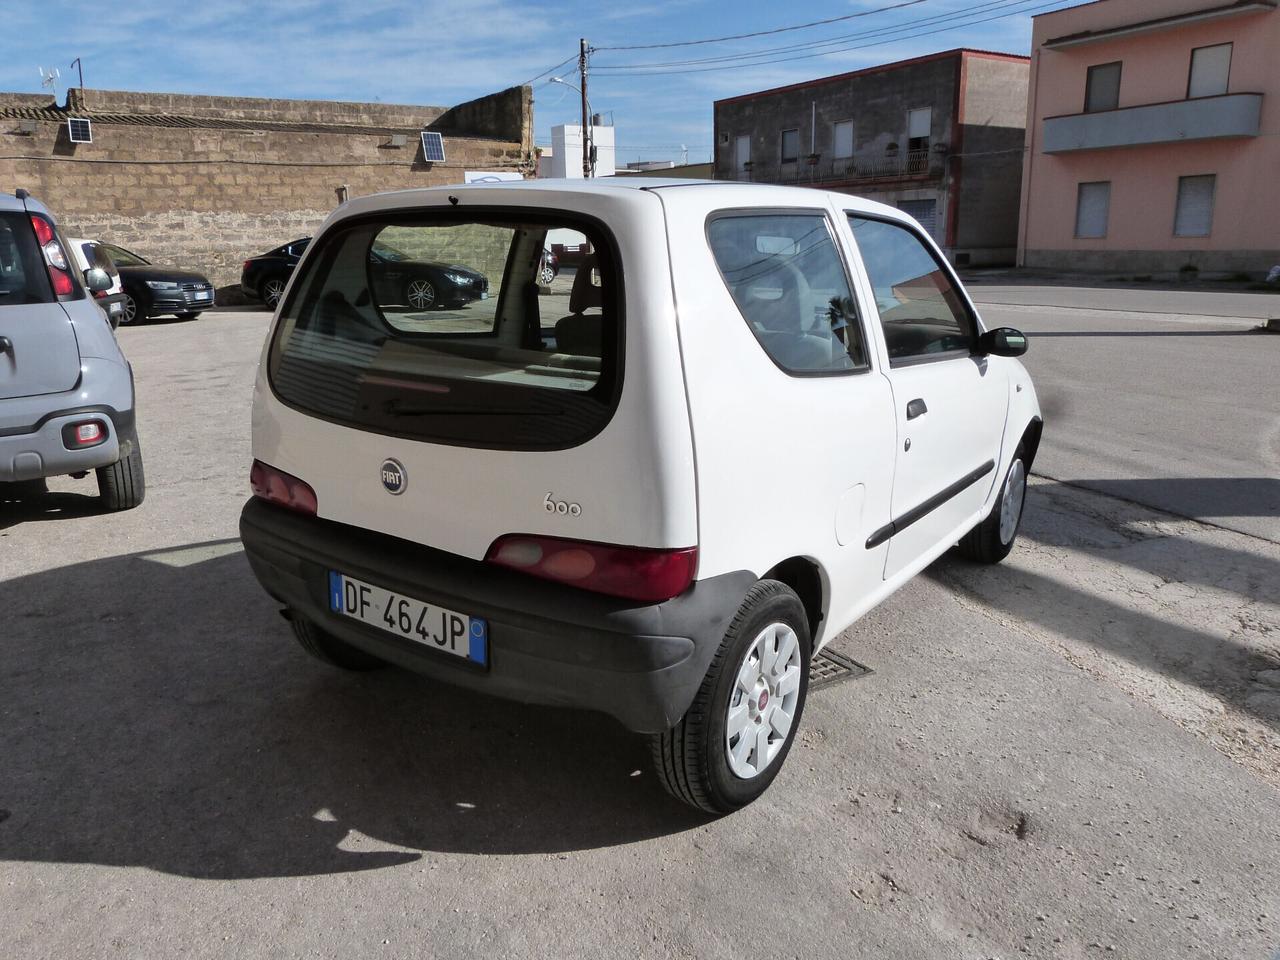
(762, 706)
(130, 312)
(272, 291)
(421, 294)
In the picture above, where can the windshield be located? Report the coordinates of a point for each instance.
(445, 329)
(123, 258)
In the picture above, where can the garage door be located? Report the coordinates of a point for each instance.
(926, 211)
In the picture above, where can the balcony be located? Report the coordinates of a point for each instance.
(1206, 118)
(912, 165)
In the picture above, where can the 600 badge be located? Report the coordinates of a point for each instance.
(562, 507)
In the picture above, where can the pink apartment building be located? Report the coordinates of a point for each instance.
(1153, 137)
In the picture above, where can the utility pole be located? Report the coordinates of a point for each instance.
(80, 67)
(582, 88)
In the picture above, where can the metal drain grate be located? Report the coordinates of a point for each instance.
(829, 667)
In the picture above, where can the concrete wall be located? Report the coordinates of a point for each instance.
(978, 103)
(988, 161)
(205, 182)
(876, 101)
(1144, 179)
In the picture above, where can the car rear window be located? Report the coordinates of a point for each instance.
(23, 278)
(436, 327)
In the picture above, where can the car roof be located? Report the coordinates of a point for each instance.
(699, 193)
(11, 203)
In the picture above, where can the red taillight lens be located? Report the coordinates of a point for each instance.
(276, 486)
(44, 232)
(245, 268)
(55, 260)
(636, 573)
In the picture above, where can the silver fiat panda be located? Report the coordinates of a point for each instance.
(66, 390)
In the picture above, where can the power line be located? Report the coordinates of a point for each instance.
(765, 33)
(562, 63)
(641, 72)
(816, 44)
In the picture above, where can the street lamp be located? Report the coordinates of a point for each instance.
(588, 139)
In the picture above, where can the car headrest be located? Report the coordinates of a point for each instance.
(585, 294)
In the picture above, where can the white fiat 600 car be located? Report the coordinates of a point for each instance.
(741, 417)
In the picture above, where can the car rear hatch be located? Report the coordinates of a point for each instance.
(38, 349)
(513, 413)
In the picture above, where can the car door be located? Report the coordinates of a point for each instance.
(950, 404)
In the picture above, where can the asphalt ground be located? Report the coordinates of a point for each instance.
(1073, 754)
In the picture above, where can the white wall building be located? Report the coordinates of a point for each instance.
(566, 151)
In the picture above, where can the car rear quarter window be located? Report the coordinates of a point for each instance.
(786, 276)
(23, 277)
(434, 327)
(922, 312)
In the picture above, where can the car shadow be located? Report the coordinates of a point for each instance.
(48, 506)
(157, 713)
(1198, 498)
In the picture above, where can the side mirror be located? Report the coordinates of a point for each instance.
(97, 280)
(1003, 342)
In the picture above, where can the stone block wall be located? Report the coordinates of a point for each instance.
(205, 182)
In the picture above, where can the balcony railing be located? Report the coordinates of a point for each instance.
(1204, 118)
(913, 163)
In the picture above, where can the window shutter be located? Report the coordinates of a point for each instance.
(1194, 215)
(1210, 71)
(919, 122)
(842, 139)
(1093, 204)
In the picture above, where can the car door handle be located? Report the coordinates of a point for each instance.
(6, 345)
(916, 408)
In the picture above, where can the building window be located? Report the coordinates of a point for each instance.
(790, 146)
(1210, 70)
(1093, 205)
(742, 153)
(919, 125)
(842, 139)
(1194, 215)
(1102, 87)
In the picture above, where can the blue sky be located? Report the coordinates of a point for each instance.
(437, 53)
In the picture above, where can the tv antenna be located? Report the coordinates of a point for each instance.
(49, 79)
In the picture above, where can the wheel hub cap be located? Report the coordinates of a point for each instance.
(763, 704)
(1011, 503)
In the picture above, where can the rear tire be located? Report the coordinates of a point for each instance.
(272, 290)
(702, 761)
(992, 539)
(122, 485)
(323, 645)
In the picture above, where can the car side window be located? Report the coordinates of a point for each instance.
(789, 283)
(921, 310)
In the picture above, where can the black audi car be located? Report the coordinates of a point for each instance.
(397, 277)
(153, 290)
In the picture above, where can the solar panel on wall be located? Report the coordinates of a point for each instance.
(432, 147)
(79, 130)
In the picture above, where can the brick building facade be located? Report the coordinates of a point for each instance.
(205, 182)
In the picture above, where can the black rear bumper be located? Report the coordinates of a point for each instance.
(549, 644)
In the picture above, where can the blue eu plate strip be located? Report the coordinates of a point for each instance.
(479, 652)
(335, 591)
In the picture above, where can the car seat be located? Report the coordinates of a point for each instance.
(583, 333)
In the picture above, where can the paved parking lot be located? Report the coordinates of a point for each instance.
(1075, 754)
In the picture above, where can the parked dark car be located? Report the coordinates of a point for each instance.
(153, 290)
(264, 277)
(422, 284)
(398, 277)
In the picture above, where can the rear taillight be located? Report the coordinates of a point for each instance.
(84, 433)
(276, 486)
(636, 573)
(54, 258)
(245, 268)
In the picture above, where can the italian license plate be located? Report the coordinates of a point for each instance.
(435, 627)
(204, 294)
(114, 307)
